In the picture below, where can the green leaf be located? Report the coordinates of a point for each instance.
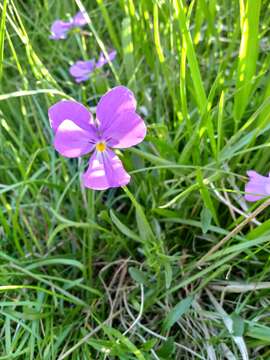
(148, 345)
(238, 325)
(206, 195)
(138, 275)
(167, 349)
(206, 218)
(123, 340)
(123, 228)
(175, 314)
(168, 274)
(258, 331)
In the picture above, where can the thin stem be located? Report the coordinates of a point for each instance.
(90, 234)
(235, 231)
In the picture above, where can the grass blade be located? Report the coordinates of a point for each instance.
(248, 54)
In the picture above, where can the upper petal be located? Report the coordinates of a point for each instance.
(102, 59)
(79, 19)
(126, 130)
(59, 29)
(72, 141)
(80, 68)
(257, 187)
(105, 171)
(113, 103)
(69, 110)
(253, 175)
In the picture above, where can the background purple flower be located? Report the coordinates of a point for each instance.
(257, 187)
(60, 29)
(81, 70)
(117, 126)
(102, 60)
(79, 20)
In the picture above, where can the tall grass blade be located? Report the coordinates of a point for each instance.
(2, 35)
(248, 54)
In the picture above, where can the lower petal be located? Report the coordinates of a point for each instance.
(105, 171)
(81, 79)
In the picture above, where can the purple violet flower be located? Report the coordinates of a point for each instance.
(60, 29)
(81, 70)
(102, 59)
(79, 20)
(117, 126)
(257, 187)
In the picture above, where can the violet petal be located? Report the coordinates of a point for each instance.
(72, 141)
(79, 20)
(70, 110)
(102, 59)
(257, 187)
(81, 70)
(113, 103)
(118, 120)
(59, 29)
(105, 171)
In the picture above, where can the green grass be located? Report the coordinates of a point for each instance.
(176, 264)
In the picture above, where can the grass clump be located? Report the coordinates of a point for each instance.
(175, 265)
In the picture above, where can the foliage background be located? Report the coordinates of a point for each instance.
(176, 265)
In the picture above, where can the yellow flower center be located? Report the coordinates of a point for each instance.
(101, 146)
